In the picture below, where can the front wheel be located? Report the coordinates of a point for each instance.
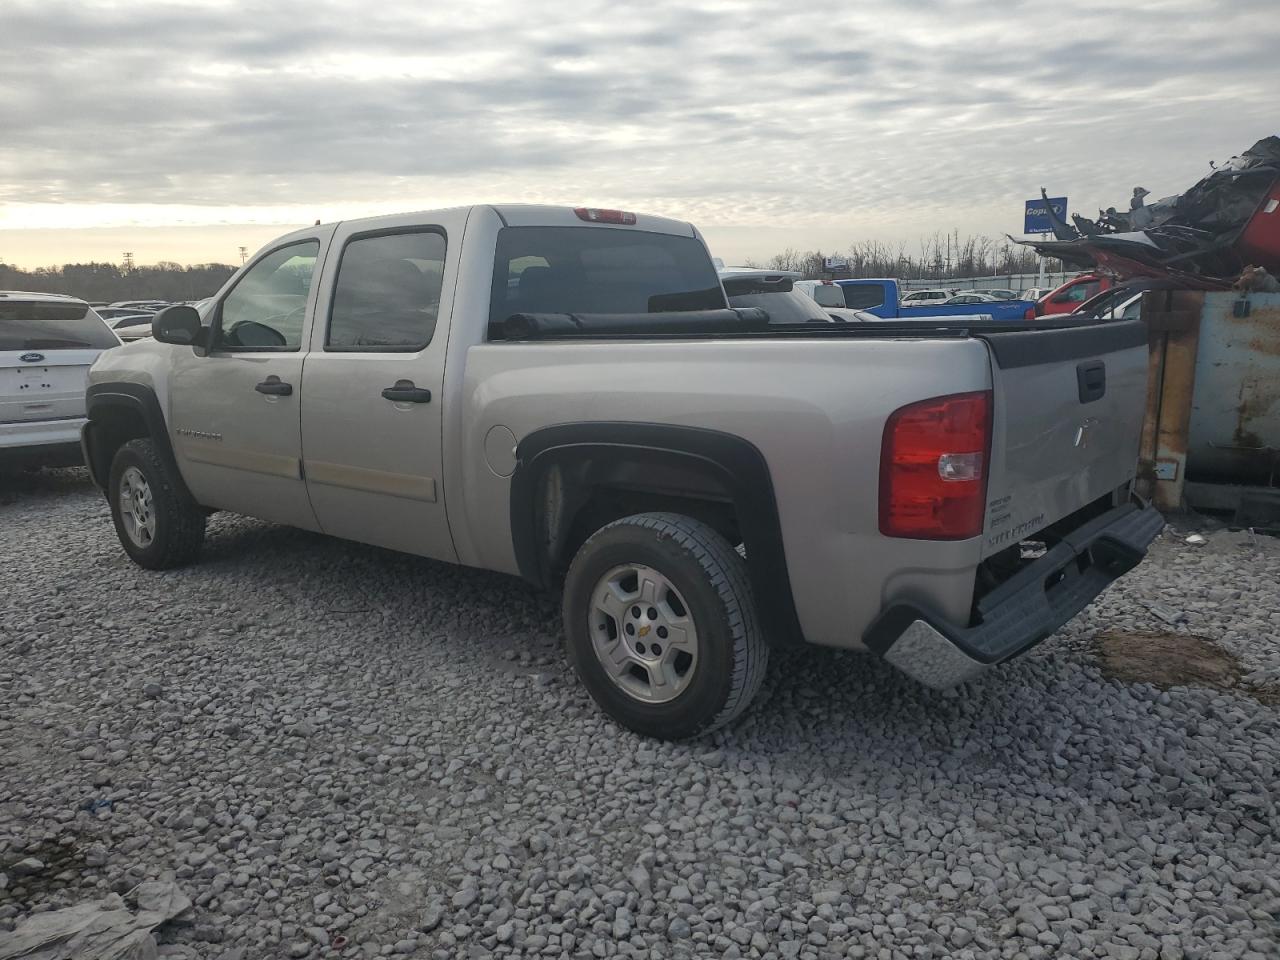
(158, 523)
(661, 625)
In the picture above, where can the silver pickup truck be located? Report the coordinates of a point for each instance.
(565, 395)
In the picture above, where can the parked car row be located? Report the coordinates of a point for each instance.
(47, 341)
(925, 298)
(883, 299)
(1039, 301)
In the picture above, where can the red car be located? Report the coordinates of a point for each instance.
(1071, 294)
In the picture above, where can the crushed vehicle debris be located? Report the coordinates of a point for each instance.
(1205, 238)
(104, 929)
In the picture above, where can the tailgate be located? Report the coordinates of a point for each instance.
(48, 388)
(1069, 406)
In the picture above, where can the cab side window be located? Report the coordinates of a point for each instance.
(387, 295)
(266, 308)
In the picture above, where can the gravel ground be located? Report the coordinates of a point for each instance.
(332, 746)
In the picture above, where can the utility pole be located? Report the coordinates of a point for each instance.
(244, 255)
(128, 261)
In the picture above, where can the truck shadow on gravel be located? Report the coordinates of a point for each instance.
(24, 487)
(821, 710)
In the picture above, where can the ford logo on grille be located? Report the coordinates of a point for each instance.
(31, 357)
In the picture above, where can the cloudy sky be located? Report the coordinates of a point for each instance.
(182, 131)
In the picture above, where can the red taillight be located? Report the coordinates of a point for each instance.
(1030, 314)
(933, 468)
(593, 215)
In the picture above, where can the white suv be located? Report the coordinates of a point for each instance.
(926, 298)
(47, 343)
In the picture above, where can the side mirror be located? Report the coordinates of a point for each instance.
(179, 324)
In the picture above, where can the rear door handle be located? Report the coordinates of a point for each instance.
(275, 387)
(404, 391)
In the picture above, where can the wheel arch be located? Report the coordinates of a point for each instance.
(118, 413)
(575, 476)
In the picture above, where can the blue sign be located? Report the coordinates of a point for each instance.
(1036, 218)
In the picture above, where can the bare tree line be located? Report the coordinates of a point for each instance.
(109, 282)
(941, 256)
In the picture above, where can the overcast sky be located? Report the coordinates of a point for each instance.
(181, 131)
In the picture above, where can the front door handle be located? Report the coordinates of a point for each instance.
(275, 387)
(405, 392)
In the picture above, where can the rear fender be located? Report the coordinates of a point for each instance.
(647, 459)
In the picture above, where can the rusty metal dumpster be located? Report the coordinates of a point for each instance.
(1212, 435)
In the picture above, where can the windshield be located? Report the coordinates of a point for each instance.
(41, 325)
(600, 270)
(788, 307)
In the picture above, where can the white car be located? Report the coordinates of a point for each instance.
(970, 297)
(778, 293)
(926, 298)
(47, 343)
(130, 326)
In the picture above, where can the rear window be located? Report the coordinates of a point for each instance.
(39, 325)
(863, 296)
(595, 270)
(828, 295)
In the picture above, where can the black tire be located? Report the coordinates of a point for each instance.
(712, 579)
(179, 520)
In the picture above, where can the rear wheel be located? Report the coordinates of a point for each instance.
(661, 626)
(158, 523)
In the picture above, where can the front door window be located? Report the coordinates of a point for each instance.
(266, 308)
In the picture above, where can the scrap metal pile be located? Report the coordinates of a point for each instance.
(1204, 238)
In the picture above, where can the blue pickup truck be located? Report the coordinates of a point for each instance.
(880, 297)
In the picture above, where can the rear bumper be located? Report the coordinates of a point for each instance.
(1021, 612)
(41, 443)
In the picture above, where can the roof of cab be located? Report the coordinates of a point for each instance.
(525, 215)
(544, 215)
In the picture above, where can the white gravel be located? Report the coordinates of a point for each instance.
(322, 741)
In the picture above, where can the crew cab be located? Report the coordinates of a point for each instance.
(565, 395)
(880, 298)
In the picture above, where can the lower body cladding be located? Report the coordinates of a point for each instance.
(1023, 610)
